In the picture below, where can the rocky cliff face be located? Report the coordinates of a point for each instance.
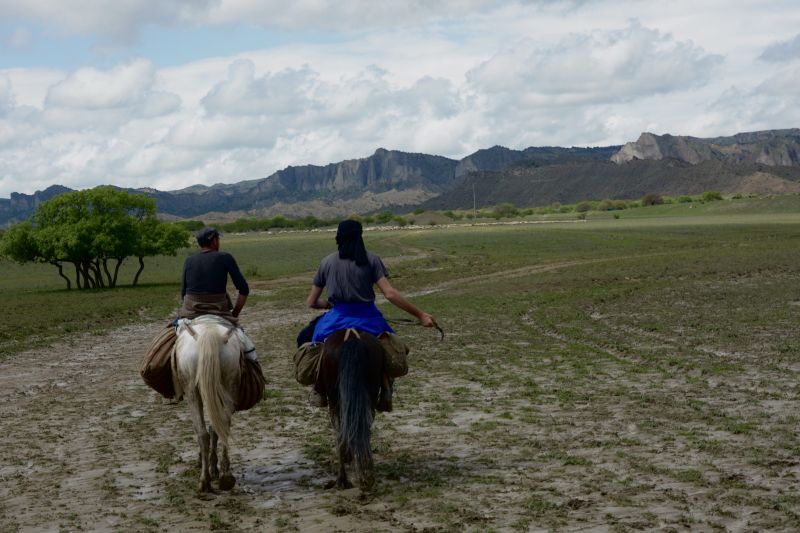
(21, 206)
(773, 148)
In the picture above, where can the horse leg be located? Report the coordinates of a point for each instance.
(344, 456)
(212, 457)
(367, 475)
(342, 481)
(203, 439)
(226, 481)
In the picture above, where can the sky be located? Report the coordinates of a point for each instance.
(173, 93)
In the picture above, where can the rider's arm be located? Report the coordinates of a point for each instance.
(394, 296)
(240, 301)
(313, 300)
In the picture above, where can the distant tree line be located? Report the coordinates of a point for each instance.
(505, 210)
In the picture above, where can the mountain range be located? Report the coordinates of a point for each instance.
(755, 162)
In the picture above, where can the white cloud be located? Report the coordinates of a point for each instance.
(283, 93)
(599, 67)
(222, 133)
(7, 100)
(90, 88)
(436, 77)
(353, 15)
(120, 21)
(783, 51)
(772, 104)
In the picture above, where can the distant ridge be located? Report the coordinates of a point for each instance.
(763, 161)
(597, 180)
(772, 147)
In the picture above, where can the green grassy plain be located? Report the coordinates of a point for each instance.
(626, 374)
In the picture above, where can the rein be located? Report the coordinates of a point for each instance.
(410, 322)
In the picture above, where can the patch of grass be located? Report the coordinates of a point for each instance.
(217, 523)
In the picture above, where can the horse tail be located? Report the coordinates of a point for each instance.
(355, 405)
(209, 379)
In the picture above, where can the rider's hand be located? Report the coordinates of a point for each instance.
(426, 320)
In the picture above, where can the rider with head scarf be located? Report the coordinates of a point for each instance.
(348, 276)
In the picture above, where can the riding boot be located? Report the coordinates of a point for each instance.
(385, 397)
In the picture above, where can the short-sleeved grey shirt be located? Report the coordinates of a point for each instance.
(347, 282)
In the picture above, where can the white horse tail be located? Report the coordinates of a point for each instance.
(209, 378)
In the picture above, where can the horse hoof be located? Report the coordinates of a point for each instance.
(204, 487)
(367, 485)
(227, 482)
(343, 484)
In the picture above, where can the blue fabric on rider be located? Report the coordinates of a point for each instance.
(362, 316)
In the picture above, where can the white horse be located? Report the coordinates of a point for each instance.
(207, 373)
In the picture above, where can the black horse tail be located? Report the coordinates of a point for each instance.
(355, 405)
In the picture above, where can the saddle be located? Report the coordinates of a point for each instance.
(157, 366)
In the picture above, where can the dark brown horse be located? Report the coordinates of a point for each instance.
(350, 378)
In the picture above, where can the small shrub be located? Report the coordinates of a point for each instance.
(652, 199)
(383, 217)
(612, 205)
(711, 196)
(616, 215)
(582, 216)
(189, 225)
(685, 199)
(506, 210)
(418, 211)
(737, 196)
(583, 207)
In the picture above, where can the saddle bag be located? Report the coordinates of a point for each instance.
(156, 369)
(251, 383)
(306, 362)
(396, 361)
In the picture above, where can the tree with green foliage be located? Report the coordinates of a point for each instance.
(94, 230)
(383, 217)
(506, 210)
(652, 199)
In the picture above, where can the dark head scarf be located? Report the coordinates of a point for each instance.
(351, 245)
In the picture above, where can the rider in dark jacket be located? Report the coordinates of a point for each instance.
(204, 280)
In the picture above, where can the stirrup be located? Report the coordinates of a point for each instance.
(315, 399)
